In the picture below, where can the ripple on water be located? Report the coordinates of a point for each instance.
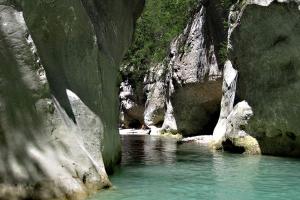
(155, 168)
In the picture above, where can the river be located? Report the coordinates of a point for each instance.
(156, 168)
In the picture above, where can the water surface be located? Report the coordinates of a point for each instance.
(155, 168)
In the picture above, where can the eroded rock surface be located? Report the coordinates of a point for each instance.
(131, 107)
(264, 48)
(156, 91)
(194, 86)
(59, 94)
(184, 91)
(229, 90)
(236, 139)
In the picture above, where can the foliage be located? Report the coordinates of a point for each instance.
(161, 21)
(223, 52)
(226, 4)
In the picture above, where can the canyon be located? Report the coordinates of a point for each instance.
(233, 74)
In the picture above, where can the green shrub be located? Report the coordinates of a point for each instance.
(161, 21)
(223, 52)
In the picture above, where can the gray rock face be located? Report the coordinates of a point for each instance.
(196, 60)
(236, 139)
(58, 120)
(229, 133)
(227, 102)
(156, 88)
(184, 91)
(264, 48)
(132, 112)
(238, 117)
(195, 84)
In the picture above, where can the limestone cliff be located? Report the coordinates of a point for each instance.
(263, 45)
(58, 94)
(183, 92)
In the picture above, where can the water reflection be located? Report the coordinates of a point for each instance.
(148, 150)
(235, 173)
(158, 168)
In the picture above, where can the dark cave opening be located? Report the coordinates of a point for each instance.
(135, 124)
(230, 147)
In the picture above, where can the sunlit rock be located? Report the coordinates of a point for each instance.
(227, 102)
(59, 96)
(184, 91)
(236, 138)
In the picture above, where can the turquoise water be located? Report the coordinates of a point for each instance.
(154, 168)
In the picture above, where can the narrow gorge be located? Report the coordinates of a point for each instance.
(225, 58)
(140, 100)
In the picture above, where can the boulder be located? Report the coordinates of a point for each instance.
(236, 139)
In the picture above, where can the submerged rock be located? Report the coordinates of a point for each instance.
(134, 132)
(58, 95)
(202, 139)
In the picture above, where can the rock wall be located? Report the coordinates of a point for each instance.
(196, 79)
(58, 94)
(264, 47)
(131, 106)
(184, 91)
(156, 86)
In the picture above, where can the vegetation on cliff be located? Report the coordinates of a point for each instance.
(161, 21)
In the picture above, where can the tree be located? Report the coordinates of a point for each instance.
(161, 21)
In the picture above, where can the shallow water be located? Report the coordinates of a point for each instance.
(155, 168)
